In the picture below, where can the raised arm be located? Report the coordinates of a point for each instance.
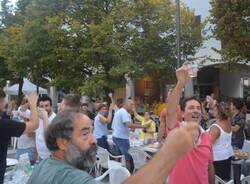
(111, 98)
(174, 98)
(132, 125)
(162, 128)
(137, 116)
(34, 120)
(178, 142)
(43, 114)
(107, 120)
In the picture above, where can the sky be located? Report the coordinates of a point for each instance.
(202, 8)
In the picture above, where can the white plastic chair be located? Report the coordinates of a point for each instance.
(218, 180)
(104, 156)
(14, 143)
(117, 175)
(140, 157)
(245, 180)
(246, 146)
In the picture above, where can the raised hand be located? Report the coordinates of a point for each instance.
(182, 74)
(32, 99)
(110, 95)
(111, 106)
(42, 113)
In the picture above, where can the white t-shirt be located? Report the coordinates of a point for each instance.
(25, 141)
(41, 147)
(119, 124)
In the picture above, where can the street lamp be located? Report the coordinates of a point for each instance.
(178, 32)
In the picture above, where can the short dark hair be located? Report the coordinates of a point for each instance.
(43, 99)
(72, 100)
(62, 126)
(2, 94)
(238, 103)
(184, 102)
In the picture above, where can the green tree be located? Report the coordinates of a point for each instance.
(88, 46)
(154, 38)
(5, 74)
(23, 45)
(100, 41)
(232, 27)
(25, 42)
(89, 38)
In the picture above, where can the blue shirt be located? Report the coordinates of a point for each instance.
(119, 124)
(100, 129)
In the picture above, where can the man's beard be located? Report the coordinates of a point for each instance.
(83, 160)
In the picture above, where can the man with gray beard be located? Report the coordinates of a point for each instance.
(72, 143)
(73, 146)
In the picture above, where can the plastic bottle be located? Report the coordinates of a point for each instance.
(24, 163)
(193, 69)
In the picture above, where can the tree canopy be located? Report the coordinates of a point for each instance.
(232, 27)
(89, 45)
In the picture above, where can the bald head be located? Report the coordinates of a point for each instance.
(128, 104)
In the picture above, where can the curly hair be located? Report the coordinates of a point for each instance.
(223, 110)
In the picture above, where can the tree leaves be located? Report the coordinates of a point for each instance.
(89, 45)
(232, 27)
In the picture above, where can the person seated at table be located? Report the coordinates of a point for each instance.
(100, 124)
(72, 143)
(146, 133)
(221, 134)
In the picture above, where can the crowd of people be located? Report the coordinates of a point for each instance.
(198, 137)
(72, 145)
